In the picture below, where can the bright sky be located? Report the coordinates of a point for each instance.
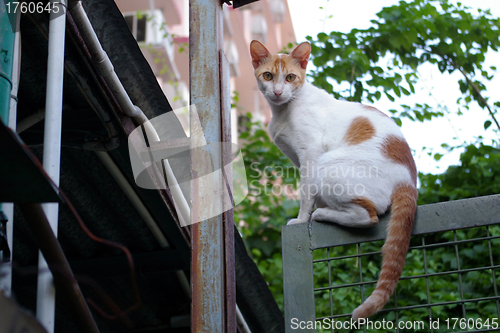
(434, 89)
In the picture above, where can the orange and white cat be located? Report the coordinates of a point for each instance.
(354, 161)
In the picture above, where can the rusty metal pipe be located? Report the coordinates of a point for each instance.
(58, 265)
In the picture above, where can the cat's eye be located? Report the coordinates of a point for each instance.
(290, 77)
(267, 76)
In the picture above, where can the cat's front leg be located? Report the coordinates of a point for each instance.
(307, 199)
(309, 189)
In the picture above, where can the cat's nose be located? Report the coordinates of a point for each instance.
(278, 93)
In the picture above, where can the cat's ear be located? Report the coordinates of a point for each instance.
(259, 52)
(301, 53)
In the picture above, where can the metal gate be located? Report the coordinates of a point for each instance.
(328, 270)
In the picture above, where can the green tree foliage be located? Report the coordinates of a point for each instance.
(477, 174)
(269, 205)
(405, 36)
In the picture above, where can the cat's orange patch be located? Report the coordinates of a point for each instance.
(360, 130)
(371, 108)
(369, 206)
(397, 150)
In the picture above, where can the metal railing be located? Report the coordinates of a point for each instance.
(449, 284)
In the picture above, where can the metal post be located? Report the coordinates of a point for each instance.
(212, 271)
(45, 308)
(298, 283)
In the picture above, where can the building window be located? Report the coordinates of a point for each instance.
(259, 27)
(137, 25)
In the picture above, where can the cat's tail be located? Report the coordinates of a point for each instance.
(404, 206)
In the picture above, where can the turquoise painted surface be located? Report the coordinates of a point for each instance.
(6, 57)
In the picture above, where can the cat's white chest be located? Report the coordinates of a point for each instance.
(283, 138)
(297, 138)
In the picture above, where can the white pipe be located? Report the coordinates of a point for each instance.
(45, 308)
(105, 68)
(101, 59)
(179, 198)
(8, 208)
(16, 69)
(241, 321)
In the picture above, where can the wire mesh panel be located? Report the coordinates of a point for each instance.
(450, 282)
(447, 275)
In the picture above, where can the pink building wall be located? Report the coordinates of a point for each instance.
(240, 27)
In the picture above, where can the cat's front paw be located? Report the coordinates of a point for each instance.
(295, 221)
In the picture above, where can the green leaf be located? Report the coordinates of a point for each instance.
(438, 156)
(397, 91)
(412, 88)
(397, 121)
(419, 116)
(487, 124)
(322, 36)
